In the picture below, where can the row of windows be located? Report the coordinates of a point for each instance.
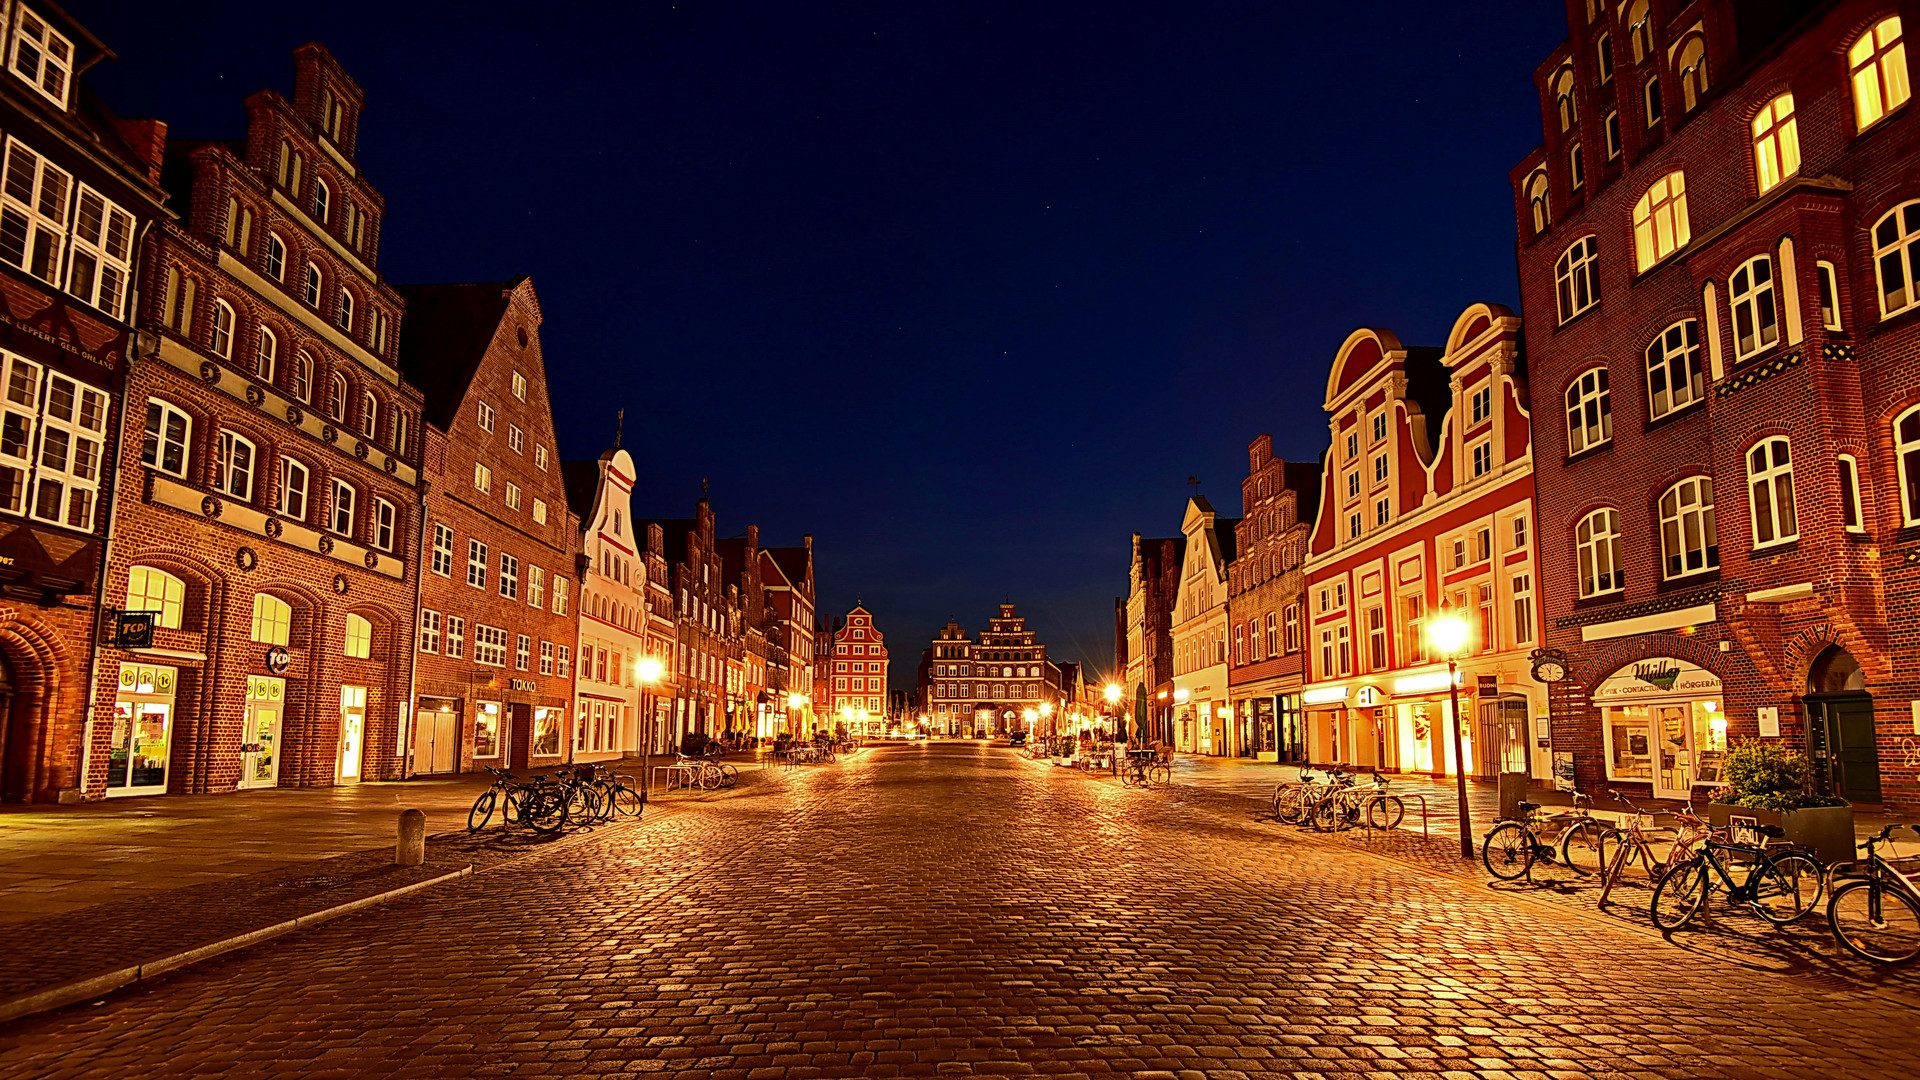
(1280, 636)
(508, 577)
(446, 635)
(1016, 691)
(64, 233)
(360, 319)
(859, 684)
(868, 666)
(1198, 651)
(340, 216)
(150, 589)
(1478, 602)
(240, 472)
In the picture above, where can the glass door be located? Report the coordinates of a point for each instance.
(141, 739)
(260, 752)
(353, 731)
(1673, 752)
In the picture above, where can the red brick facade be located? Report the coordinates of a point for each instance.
(1748, 320)
(1266, 596)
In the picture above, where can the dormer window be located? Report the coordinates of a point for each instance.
(42, 58)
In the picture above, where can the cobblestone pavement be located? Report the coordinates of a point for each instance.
(956, 909)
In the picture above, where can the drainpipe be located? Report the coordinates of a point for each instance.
(412, 639)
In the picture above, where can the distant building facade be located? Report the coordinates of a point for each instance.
(858, 700)
(1200, 698)
(1266, 600)
(1154, 583)
(614, 617)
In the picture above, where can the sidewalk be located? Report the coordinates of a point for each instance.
(180, 877)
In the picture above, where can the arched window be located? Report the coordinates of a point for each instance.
(1756, 320)
(1563, 103)
(346, 310)
(359, 637)
(1589, 411)
(1877, 65)
(322, 201)
(1597, 542)
(1689, 542)
(1906, 452)
(1660, 220)
(1853, 516)
(303, 378)
(157, 591)
(345, 497)
(1674, 377)
(266, 349)
(1603, 57)
(295, 482)
(1691, 65)
(1896, 257)
(1770, 482)
(1575, 278)
(369, 413)
(1776, 143)
(276, 258)
(1640, 29)
(286, 162)
(1538, 202)
(165, 443)
(1653, 101)
(313, 286)
(233, 467)
(222, 329)
(337, 396)
(272, 619)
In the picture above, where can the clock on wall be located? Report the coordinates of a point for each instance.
(1549, 665)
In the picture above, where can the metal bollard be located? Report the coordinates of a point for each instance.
(411, 850)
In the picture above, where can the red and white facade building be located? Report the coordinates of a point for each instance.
(614, 616)
(1719, 243)
(858, 700)
(1427, 504)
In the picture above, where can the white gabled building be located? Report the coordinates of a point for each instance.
(613, 609)
(1200, 701)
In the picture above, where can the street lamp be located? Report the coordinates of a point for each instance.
(1449, 635)
(648, 670)
(1046, 713)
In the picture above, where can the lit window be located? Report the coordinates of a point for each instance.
(516, 439)
(1906, 452)
(33, 212)
(456, 637)
(1688, 540)
(1522, 609)
(159, 592)
(1755, 318)
(1660, 220)
(42, 57)
(233, 467)
(343, 508)
(101, 263)
(513, 496)
(272, 619)
(536, 587)
(294, 482)
(1776, 143)
(359, 637)
(430, 624)
(1539, 202)
(1770, 482)
(266, 349)
(1640, 29)
(1574, 277)
(540, 458)
(519, 386)
(482, 477)
(1563, 102)
(1853, 516)
(164, 446)
(1829, 285)
(1589, 411)
(540, 511)
(1691, 65)
(1597, 541)
(1674, 378)
(484, 415)
(1877, 64)
(1896, 257)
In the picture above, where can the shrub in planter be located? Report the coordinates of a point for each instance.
(1768, 776)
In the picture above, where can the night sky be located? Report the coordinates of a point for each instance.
(965, 290)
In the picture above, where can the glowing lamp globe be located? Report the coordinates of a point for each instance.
(1448, 633)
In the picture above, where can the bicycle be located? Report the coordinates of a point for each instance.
(1512, 846)
(1877, 917)
(1145, 769)
(1775, 894)
(1291, 798)
(537, 802)
(1347, 806)
(1631, 843)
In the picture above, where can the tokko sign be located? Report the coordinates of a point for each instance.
(1659, 679)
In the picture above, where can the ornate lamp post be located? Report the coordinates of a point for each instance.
(648, 670)
(1449, 632)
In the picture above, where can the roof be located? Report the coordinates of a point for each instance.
(1304, 478)
(445, 335)
(792, 562)
(673, 535)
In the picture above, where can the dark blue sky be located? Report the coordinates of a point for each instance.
(965, 290)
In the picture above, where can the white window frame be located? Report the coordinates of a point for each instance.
(1675, 376)
(1597, 547)
(1827, 281)
(477, 564)
(442, 559)
(513, 495)
(223, 323)
(311, 285)
(283, 500)
(1480, 454)
(34, 200)
(100, 266)
(346, 310)
(430, 630)
(369, 413)
(337, 391)
(1482, 404)
(1774, 518)
(1896, 247)
(484, 415)
(489, 645)
(386, 518)
(1754, 305)
(162, 440)
(519, 386)
(456, 640)
(272, 622)
(303, 377)
(69, 451)
(1589, 401)
(342, 514)
(509, 576)
(1853, 509)
(276, 258)
(266, 354)
(540, 511)
(1877, 69)
(1574, 273)
(167, 604)
(42, 56)
(516, 439)
(1906, 455)
(1689, 533)
(358, 640)
(232, 476)
(1660, 223)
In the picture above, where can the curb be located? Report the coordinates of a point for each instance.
(69, 993)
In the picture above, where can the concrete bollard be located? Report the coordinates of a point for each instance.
(412, 847)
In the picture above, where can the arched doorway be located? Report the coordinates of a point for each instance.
(1840, 728)
(18, 753)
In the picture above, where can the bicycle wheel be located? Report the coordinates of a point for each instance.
(1680, 895)
(1285, 799)
(1328, 814)
(544, 811)
(1586, 847)
(1159, 776)
(1508, 851)
(627, 801)
(1804, 880)
(482, 811)
(1875, 921)
(511, 805)
(1385, 811)
(729, 775)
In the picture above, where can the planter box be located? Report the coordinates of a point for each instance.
(1827, 831)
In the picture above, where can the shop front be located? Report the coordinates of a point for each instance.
(436, 736)
(264, 716)
(1664, 724)
(142, 737)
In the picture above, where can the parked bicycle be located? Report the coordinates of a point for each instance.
(1514, 845)
(1348, 806)
(1293, 800)
(1632, 841)
(1779, 887)
(536, 802)
(1143, 768)
(1876, 914)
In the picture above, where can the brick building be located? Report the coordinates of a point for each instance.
(496, 626)
(858, 700)
(1154, 579)
(1717, 247)
(1200, 710)
(787, 575)
(269, 513)
(697, 694)
(1426, 504)
(1266, 588)
(751, 711)
(614, 616)
(84, 188)
(986, 687)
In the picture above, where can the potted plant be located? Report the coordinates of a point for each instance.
(1773, 785)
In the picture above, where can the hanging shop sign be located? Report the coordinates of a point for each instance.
(1661, 678)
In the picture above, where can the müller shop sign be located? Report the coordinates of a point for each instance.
(1660, 678)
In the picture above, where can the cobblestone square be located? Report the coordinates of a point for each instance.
(957, 909)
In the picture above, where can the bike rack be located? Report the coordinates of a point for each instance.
(1405, 798)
